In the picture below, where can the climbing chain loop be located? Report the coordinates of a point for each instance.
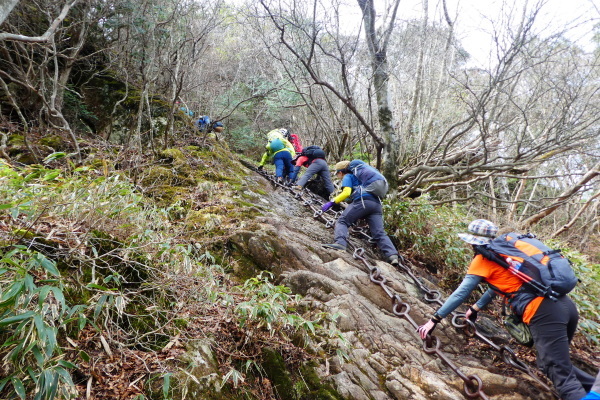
(473, 385)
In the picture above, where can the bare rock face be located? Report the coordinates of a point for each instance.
(386, 356)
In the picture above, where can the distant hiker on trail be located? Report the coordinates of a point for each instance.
(281, 152)
(217, 126)
(205, 125)
(313, 157)
(294, 140)
(552, 322)
(183, 108)
(365, 205)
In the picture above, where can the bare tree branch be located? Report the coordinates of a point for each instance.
(47, 36)
(590, 175)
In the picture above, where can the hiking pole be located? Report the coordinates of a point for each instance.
(545, 290)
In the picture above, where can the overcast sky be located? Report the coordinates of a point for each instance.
(475, 19)
(473, 25)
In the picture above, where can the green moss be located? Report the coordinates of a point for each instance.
(304, 385)
(218, 155)
(24, 157)
(23, 233)
(179, 381)
(181, 323)
(314, 388)
(213, 175)
(204, 222)
(103, 242)
(245, 268)
(276, 371)
(54, 141)
(161, 176)
(16, 140)
(165, 195)
(242, 210)
(245, 204)
(174, 156)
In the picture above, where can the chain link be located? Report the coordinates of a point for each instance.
(473, 385)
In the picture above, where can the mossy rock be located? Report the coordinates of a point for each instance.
(304, 384)
(22, 156)
(165, 195)
(218, 154)
(55, 142)
(315, 388)
(204, 222)
(103, 242)
(16, 140)
(110, 260)
(239, 210)
(275, 369)
(172, 156)
(260, 250)
(215, 175)
(161, 176)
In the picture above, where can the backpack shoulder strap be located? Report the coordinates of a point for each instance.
(491, 255)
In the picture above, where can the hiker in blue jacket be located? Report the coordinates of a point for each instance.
(364, 205)
(206, 125)
(203, 124)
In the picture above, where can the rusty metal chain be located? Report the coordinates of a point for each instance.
(431, 345)
(472, 384)
(470, 329)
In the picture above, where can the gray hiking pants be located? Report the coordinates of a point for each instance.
(318, 167)
(552, 328)
(369, 210)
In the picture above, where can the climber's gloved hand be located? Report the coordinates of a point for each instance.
(428, 328)
(260, 167)
(471, 314)
(327, 206)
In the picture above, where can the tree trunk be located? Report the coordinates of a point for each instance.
(378, 52)
(6, 7)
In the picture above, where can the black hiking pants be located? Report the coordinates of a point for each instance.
(552, 328)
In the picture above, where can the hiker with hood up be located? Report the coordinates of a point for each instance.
(552, 322)
(281, 152)
(364, 205)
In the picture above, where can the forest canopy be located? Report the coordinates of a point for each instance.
(517, 140)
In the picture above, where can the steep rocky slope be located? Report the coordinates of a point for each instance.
(386, 359)
(209, 201)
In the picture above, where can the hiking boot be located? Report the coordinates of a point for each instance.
(393, 259)
(335, 246)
